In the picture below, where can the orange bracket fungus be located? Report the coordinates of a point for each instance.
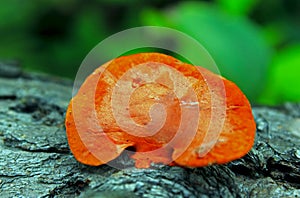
(170, 112)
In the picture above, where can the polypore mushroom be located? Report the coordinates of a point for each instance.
(169, 111)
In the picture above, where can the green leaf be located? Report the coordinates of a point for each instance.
(283, 81)
(235, 43)
(237, 7)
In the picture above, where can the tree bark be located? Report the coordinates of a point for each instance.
(35, 160)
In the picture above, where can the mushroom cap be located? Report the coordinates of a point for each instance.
(171, 112)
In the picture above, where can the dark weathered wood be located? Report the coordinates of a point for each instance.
(35, 160)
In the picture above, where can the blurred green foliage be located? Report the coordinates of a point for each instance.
(234, 42)
(255, 43)
(283, 79)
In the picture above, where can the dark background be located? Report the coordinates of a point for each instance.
(255, 43)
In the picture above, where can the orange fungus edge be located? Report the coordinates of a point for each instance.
(238, 130)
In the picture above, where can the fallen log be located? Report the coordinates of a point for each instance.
(35, 159)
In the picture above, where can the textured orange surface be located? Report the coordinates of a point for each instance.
(95, 137)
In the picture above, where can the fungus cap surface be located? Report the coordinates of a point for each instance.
(169, 111)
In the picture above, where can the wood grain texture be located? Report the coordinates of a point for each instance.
(35, 160)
